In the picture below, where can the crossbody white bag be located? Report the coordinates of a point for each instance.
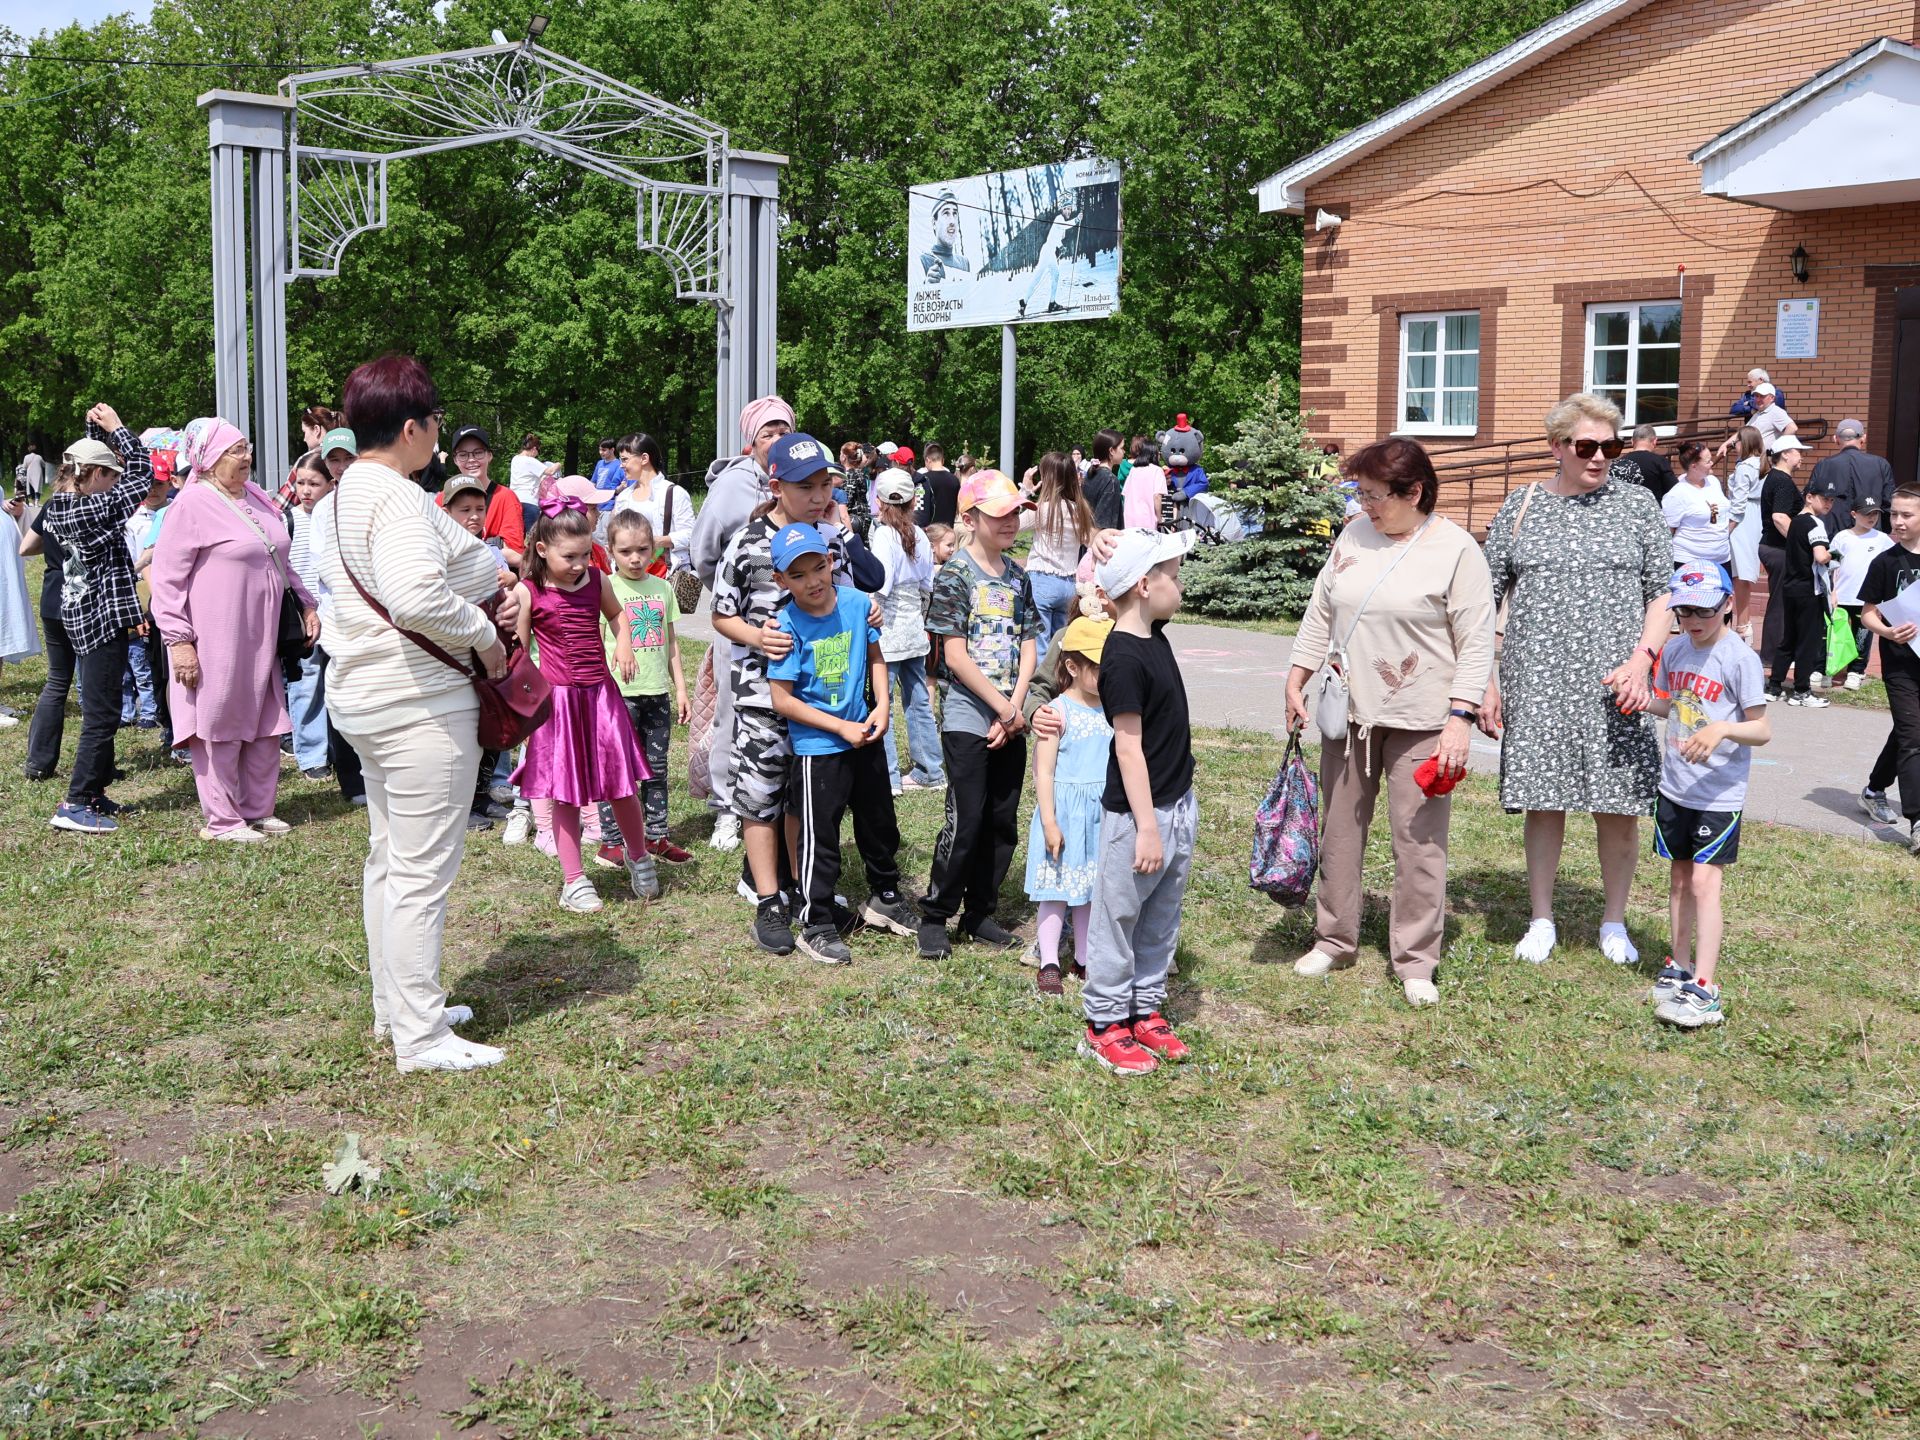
(1333, 697)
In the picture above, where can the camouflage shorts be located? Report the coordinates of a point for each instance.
(762, 759)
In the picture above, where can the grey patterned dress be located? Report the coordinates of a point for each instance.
(1578, 581)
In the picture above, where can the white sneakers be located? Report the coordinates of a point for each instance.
(519, 827)
(1536, 946)
(456, 1015)
(1616, 946)
(1422, 993)
(726, 832)
(452, 1053)
(1316, 963)
(580, 897)
(271, 825)
(245, 835)
(1856, 680)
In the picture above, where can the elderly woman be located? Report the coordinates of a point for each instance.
(99, 601)
(402, 572)
(1405, 609)
(220, 569)
(1583, 561)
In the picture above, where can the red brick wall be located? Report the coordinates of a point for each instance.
(1425, 216)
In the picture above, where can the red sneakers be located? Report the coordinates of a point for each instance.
(611, 856)
(667, 852)
(1155, 1034)
(1118, 1051)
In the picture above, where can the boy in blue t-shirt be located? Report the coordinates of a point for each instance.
(1713, 693)
(819, 688)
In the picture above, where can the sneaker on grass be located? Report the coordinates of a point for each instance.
(579, 896)
(823, 943)
(1155, 1034)
(934, 944)
(1695, 1005)
(1116, 1050)
(1667, 984)
(668, 853)
(519, 827)
(644, 877)
(726, 832)
(772, 931)
(455, 1015)
(452, 1053)
(985, 930)
(1878, 807)
(1046, 981)
(83, 820)
(891, 912)
(610, 857)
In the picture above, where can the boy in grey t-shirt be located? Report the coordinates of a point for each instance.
(1712, 691)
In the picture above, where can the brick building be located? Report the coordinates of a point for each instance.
(1624, 200)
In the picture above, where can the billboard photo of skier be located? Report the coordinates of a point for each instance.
(1014, 246)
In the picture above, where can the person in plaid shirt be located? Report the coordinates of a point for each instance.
(99, 604)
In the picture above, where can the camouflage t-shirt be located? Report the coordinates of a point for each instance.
(996, 614)
(744, 585)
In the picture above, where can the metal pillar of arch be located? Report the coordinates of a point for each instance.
(296, 176)
(247, 144)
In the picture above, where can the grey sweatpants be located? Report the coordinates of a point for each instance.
(1136, 918)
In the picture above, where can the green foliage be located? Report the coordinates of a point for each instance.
(1274, 473)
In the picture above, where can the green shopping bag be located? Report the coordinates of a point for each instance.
(1841, 649)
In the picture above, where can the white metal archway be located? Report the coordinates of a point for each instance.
(296, 176)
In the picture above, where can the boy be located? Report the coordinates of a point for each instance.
(306, 694)
(650, 611)
(820, 690)
(141, 698)
(984, 621)
(466, 500)
(1853, 551)
(1803, 591)
(1146, 834)
(1710, 687)
(1890, 575)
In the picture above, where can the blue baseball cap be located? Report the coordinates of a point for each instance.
(795, 457)
(1703, 585)
(793, 542)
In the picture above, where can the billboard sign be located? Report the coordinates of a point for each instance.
(1015, 246)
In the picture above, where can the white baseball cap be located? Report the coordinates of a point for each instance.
(1786, 443)
(1135, 553)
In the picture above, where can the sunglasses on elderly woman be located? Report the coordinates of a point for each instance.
(1609, 448)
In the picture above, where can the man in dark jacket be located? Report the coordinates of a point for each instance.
(1853, 474)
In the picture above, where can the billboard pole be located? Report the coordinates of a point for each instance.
(1006, 399)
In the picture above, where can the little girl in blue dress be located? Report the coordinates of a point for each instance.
(1069, 772)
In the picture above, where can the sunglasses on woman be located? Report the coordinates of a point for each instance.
(1609, 448)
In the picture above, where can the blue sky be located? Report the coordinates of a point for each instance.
(30, 17)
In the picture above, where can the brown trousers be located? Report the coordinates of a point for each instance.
(1417, 916)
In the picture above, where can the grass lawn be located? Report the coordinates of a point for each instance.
(716, 1193)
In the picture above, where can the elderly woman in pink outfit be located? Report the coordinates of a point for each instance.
(219, 570)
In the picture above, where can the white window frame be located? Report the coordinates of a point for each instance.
(1440, 388)
(1630, 411)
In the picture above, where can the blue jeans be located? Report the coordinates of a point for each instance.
(136, 699)
(1053, 596)
(307, 708)
(923, 738)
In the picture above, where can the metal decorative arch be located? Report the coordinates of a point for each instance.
(319, 153)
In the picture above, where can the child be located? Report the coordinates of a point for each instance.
(1069, 772)
(1146, 834)
(819, 688)
(1854, 550)
(649, 612)
(1803, 591)
(944, 541)
(1710, 687)
(983, 618)
(903, 550)
(141, 698)
(1889, 576)
(464, 498)
(585, 753)
(306, 694)
(745, 595)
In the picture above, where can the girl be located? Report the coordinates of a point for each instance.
(1743, 509)
(903, 550)
(586, 752)
(1062, 528)
(1069, 772)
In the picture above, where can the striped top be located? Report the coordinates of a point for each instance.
(429, 573)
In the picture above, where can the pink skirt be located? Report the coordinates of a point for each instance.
(586, 752)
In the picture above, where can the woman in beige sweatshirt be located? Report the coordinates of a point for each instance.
(1406, 599)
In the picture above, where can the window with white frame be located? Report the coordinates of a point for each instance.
(1633, 359)
(1440, 374)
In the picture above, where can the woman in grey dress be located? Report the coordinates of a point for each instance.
(1583, 560)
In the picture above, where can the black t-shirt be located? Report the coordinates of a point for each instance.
(1806, 531)
(1778, 496)
(1141, 677)
(1103, 497)
(1891, 572)
(1651, 470)
(55, 574)
(939, 497)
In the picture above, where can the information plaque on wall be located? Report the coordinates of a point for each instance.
(1796, 330)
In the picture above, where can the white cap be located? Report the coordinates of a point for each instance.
(1763, 388)
(1135, 553)
(1786, 443)
(885, 447)
(894, 486)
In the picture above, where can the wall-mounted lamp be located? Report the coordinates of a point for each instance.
(536, 27)
(1801, 270)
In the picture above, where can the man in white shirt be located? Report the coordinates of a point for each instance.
(523, 475)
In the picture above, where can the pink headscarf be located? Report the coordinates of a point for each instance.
(204, 441)
(758, 413)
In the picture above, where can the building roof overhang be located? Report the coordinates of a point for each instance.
(1846, 137)
(1286, 190)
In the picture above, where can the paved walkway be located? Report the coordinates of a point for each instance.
(1809, 776)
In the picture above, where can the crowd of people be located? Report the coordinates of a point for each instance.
(346, 613)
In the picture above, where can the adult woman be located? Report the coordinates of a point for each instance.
(1101, 488)
(667, 506)
(1405, 607)
(412, 719)
(220, 568)
(1743, 508)
(47, 731)
(99, 600)
(1583, 560)
(19, 640)
(1062, 528)
(1697, 511)
(906, 556)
